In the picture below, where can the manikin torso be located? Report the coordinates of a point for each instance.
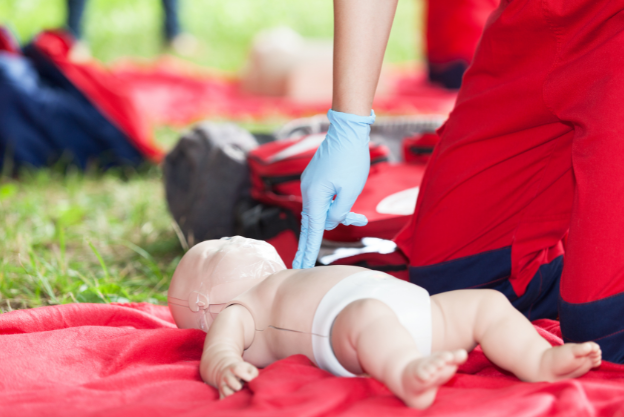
(239, 271)
(283, 307)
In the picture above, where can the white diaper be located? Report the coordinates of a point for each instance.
(410, 303)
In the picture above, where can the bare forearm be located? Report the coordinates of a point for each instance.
(361, 31)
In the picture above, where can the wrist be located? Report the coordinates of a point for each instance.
(359, 109)
(338, 116)
(349, 128)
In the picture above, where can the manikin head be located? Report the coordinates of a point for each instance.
(213, 273)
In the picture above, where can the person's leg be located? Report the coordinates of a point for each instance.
(368, 337)
(75, 11)
(172, 22)
(585, 90)
(176, 38)
(495, 201)
(453, 29)
(466, 317)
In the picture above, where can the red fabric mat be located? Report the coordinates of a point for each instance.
(174, 92)
(131, 360)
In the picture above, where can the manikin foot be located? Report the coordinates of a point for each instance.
(422, 377)
(569, 361)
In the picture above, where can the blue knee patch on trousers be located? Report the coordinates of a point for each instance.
(600, 321)
(492, 270)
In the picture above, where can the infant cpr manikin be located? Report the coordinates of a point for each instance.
(350, 321)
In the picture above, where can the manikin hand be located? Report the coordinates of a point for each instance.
(232, 377)
(339, 168)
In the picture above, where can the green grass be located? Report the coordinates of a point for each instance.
(68, 237)
(224, 28)
(93, 237)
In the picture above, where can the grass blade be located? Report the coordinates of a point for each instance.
(99, 257)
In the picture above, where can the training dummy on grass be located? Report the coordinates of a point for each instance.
(350, 321)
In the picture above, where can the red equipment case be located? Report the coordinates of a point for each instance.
(388, 198)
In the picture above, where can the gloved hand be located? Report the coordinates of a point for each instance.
(339, 168)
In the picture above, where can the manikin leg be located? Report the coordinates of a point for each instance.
(367, 337)
(463, 318)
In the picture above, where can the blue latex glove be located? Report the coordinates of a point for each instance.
(339, 168)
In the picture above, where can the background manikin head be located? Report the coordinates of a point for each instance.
(214, 272)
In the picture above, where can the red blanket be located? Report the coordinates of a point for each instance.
(170, 91)
(131, 360)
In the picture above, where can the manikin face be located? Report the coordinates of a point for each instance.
(213, 273)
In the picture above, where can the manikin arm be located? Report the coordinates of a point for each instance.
(222, 365)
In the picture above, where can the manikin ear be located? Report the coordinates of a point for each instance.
(185, 318)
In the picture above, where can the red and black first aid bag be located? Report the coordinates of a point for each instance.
(388, 198)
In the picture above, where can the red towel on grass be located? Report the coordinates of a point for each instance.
(170, 91)
(131, 360)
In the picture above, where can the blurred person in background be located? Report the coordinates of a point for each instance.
(174, 38)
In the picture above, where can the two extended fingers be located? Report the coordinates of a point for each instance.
(312, 228)
(314, 224)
